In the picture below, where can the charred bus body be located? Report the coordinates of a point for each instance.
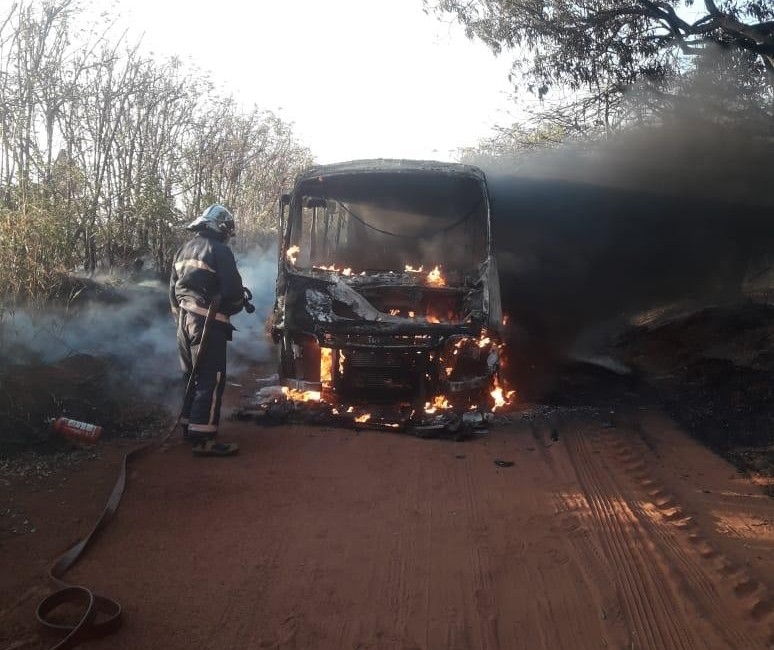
(387, 287)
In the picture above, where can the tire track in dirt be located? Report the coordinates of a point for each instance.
(593, 564)
(400, 541)
(403, 548)
(595, 567)
(655, 618)
(668, 523)
(447, 600)
(480, 564)
(572, 615)
(382, 542)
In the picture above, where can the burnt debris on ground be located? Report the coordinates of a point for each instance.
(713, 370)
(82, 387)
(273, 404)
(710, 367)
(95, 358)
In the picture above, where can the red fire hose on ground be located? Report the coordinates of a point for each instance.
(101, 615)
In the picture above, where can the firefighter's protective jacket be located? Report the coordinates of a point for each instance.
(203, 268)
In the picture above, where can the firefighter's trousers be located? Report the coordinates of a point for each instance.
(201, 409)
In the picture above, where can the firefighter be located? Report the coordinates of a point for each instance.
(204, 275)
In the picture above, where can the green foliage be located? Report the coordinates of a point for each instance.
(593, 43)
(105, 154)
(508, 141)
(597, 66)
(35, 251)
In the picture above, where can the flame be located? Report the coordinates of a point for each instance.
(292, 254)
(435, 278)
(498, 397)
(363, 418)
(326, 365)
(394, 312)
(411, 314)
(332, 267)
(432, 319)
(439, 403)
(341, 362)
(302, 395)
(411, 269)
(501, 398)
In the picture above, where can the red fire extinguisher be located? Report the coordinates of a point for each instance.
(76, 430)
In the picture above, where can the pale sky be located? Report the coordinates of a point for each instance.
(357, 78)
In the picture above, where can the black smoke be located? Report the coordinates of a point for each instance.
(589, 236)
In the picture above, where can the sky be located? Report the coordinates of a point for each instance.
(356, 78)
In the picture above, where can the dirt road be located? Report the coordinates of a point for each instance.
(602, 534)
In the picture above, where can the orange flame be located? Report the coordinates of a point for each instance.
(326, 365)
(292, 254)
(435, 278)
(501, 398)
(439, 403)
(332, 267)
(302, 395)
(363, 418)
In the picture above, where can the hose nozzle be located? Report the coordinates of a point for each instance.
(248, 296)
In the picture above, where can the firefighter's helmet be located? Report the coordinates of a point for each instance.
(215, 217)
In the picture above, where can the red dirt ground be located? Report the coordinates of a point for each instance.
(624, 536)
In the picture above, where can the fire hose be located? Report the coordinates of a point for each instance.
(101, 615)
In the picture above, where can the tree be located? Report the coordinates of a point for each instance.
(105, 153)
(603, 47)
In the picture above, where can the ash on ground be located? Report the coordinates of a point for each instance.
(81, 387)
(710, 367)
(274, 404)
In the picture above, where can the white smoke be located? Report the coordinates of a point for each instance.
(251, 344)
(135, 332)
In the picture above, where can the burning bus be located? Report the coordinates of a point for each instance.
(387, 287)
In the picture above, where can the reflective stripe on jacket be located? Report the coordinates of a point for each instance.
(203, 268)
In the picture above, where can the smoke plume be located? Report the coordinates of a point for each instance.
(130, 325)
(252, 345)
(588, 236)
